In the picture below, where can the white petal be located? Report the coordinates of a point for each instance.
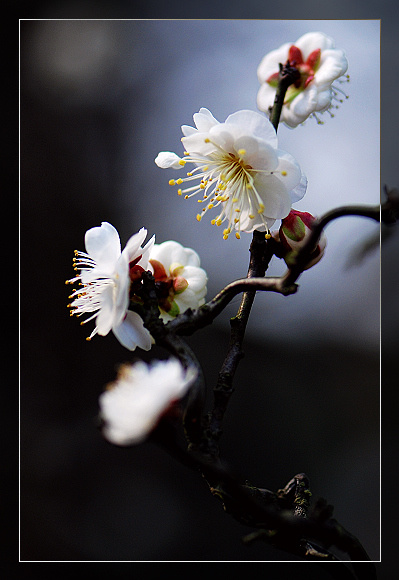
(333, 64)
(204, 120)
(146, 252)
(269, 63)
(170, 252)
(121, 291)
(248, 122)
(133, 247)
(265, 97)
(106, 314)
(288, 164)
(312, 41)
(167, 160)
(275, 196)
(299, 191)
(132, 333)
(195, 143)
(264, 158)
(186, 299)
(196, 278)
(223, 136)
(103, 245)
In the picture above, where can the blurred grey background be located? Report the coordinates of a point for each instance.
(99, 99)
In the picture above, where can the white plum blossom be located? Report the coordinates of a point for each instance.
(131, 406)
(239, 171)
(181, 282)
(104, 280)
(319, 63)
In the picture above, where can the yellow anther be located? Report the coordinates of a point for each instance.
(179, 181)
(238, 236)
(268, 236)
(207, 140)
(202, 186)
(88, 339)
(186, 153)
(226, 231)
(241, 152)
(186, 197)
(261, 208)
(284, 173)
(235, 199)
(200, 200)
(205, 168)
(210, 205)
(237, 210)
(172, 182)
(219, 222)
(251, 216)
(199, 217)
(189, 174)
(225, 237)
(213, 222)
(248, 185)
(236, 220)
(182, 162)
(179, 191)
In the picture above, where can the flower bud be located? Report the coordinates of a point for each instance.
(294, 231)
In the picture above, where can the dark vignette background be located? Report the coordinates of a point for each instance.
(83, 500)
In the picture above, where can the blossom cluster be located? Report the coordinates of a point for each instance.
(238, 173)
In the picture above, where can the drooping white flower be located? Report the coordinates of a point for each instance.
(132, 406)
(181, 282)
(320, 64)
(104, 280)
(239, 171)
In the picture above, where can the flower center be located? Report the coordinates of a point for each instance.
(226, 180)
(307, 70)
(87, 299)
(168, 285)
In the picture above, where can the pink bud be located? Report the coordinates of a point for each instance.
(294, 231)
(179, 284)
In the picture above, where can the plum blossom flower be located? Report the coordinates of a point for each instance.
(295, 229)
(239, 171)
(105, 277)
(181, 282)
(319, 63)
(132, 405)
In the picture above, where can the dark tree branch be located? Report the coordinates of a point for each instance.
(309, 537)
(287, 76)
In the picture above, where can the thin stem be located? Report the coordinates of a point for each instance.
(223, 390)
(191, 320)
(318, 226)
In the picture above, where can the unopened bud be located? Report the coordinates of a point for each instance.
(294, 231)
(179, 284)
